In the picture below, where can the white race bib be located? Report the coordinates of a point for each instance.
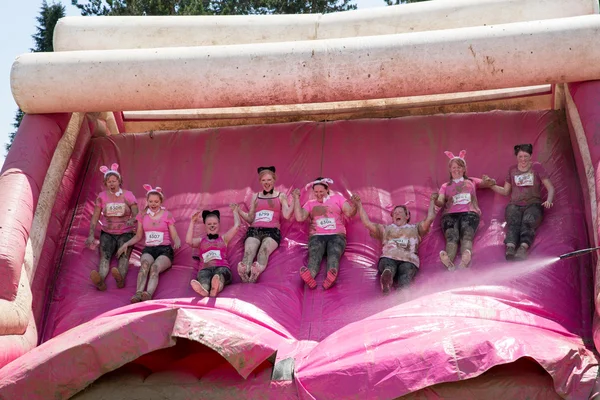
(211, 255)
(154, 238)
(264, 216)
(524, 179)
(461, 198)
(401, 242)
(326, 223)
(115, 209)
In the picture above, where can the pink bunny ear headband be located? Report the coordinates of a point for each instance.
(323, 181)
(460, 156)
(112, 170)
(150, 189)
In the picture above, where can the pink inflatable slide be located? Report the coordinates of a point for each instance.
(517, 330)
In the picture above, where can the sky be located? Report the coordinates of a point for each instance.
(17, 24)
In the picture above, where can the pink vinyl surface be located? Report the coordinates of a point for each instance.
(350, 340)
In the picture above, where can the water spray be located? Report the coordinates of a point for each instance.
(578, 253)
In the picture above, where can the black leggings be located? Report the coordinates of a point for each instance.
(206, 274)
(319, 245)
(521, 223)
(402, 271)
(460, 226)
(109, 244)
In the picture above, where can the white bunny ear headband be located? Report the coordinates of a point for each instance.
(150, 189)
(323, 181)
(114, 169)
(460, 156)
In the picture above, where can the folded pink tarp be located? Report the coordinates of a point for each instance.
(349, 341)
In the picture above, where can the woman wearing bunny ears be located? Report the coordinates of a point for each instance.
(118, 208)
(327, 232)
(157, 225)
(264, 216)
(399, 261)
(461, 211)
(214, 273)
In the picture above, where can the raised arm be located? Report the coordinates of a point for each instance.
(349, 209)
(300, 213)
(424, 225)
(189, 236)
(131, 242)
(236, 224)
(93, 223)
(251, 214)
(376, 230)
(550, 188)
(286, 208)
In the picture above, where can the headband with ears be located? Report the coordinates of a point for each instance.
(150, 189)
(323, 181)
(208, 213)
(460, 156)
(112, 170)
(261, 169)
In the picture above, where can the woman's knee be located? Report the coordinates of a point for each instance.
(154, 270)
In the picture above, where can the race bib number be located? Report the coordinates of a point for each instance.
(154, 238)
(524, 179)
(326, 223)
(115, 209)
(264, 216)
(461, 198)
(401, 242)
(211, 255)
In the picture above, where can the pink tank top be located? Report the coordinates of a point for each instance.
(326, 218)
(116, 210)
(268, 213)
(213, 253)
(461, 196)
(156, 231)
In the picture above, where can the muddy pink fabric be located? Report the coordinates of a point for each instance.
(156, 230)
(401, 243)
(268, 213)
(116, 211)
(348, 341)
(460, 196)
(526, 187)
(213, 253)
(326, 218)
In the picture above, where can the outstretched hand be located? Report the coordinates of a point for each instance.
(434, 196)
(196, 216)
(235, 207)
(547, 204)
(296, 193)
(176, 243)
(121, 250)
(487, 181)
(356, 200)
(89, 241)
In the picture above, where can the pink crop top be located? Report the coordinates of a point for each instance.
(268, 213)
(116, 210)
(156, 231)
(213, 253)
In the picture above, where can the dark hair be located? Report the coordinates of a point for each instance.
(261, 169)
(527, 148)
(406, 211)
(321, 183)
(208, 213)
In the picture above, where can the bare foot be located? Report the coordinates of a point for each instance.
(118, 278)
(137, 297)
(146, 296)
(307, 277)
(447, 261)
(198, 288)
(255, 271)
(465, 259)
(216, 285)
(386, 281)
(243, 271)
(98, 281)
(330, 278)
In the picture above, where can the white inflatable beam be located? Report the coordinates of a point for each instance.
(105, 33)
(375, 67)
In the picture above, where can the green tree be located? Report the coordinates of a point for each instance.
(396, 2)
(42, 40)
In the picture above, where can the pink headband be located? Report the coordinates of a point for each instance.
(150, 189)
(461, 155)
(112, 170)
(325, 181)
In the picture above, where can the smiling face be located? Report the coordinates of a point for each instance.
(399, 216)
(524, 160)
(457, 168)
(267, 181)
(320, 192)
(112, 182)
(212, 224)
(154, 202)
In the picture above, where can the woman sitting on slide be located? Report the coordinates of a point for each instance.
(327, 232)
(264, 216)
(214, 273)
(461, 212)
(118, 208)
(157, 225)
(525, 212)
